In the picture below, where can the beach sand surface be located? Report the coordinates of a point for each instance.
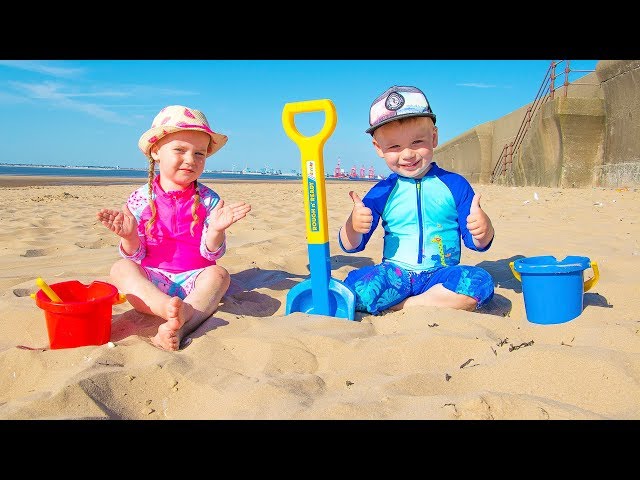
(251, 361)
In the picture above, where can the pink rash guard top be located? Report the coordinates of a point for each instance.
(171, 246)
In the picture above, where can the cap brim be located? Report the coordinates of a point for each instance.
(398, 117)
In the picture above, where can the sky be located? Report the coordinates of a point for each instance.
(92, 112)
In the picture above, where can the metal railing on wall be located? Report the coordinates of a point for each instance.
(546, 92)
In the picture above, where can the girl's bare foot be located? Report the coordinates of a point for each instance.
(168, 336)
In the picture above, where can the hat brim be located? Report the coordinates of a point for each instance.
(398, 117)
(153, 135)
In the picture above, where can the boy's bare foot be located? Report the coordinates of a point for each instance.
(168, 337)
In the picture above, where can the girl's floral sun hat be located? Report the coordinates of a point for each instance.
(175, 118)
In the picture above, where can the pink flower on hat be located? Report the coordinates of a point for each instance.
(189, 125)
(188, 113)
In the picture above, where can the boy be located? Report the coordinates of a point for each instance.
(425, 211)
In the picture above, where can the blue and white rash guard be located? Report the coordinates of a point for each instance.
(423, 219)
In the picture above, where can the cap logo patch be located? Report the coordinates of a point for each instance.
(394, 101)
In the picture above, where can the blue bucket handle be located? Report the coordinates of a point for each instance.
(588, 284)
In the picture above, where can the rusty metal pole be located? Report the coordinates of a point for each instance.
(553, 77)
(566, 77)
(504, 160)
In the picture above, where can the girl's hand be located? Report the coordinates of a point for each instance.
(123, 223)
(223, 216)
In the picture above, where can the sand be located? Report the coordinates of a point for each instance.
(251, 361)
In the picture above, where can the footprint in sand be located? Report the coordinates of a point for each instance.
(21, 292)
(50, 198)
(101, 243)
(39, 252)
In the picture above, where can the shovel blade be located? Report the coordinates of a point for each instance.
(342, 301)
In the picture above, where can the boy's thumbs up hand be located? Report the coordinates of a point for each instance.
(356, 198)
(361, 216)
(479, 223)
(475, 203)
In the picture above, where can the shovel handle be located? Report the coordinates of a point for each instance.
(312, 163)
(309, 146)
(48, 291)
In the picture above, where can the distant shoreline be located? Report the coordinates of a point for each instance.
(48, 180)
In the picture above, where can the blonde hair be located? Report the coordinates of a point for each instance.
(152, 203)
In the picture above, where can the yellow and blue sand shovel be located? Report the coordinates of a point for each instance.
(319, 294)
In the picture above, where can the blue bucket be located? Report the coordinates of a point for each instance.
(553, 291)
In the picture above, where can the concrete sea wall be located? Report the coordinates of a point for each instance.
(588, 135)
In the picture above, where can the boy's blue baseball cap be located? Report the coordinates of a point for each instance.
(398, 102)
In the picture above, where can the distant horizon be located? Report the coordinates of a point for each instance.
(116, 167)
(276, 173)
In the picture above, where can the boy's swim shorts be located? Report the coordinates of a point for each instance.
(382, 286)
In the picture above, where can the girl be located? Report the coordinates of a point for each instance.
(172, 230)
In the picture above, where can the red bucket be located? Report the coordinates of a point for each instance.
(83, 317)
